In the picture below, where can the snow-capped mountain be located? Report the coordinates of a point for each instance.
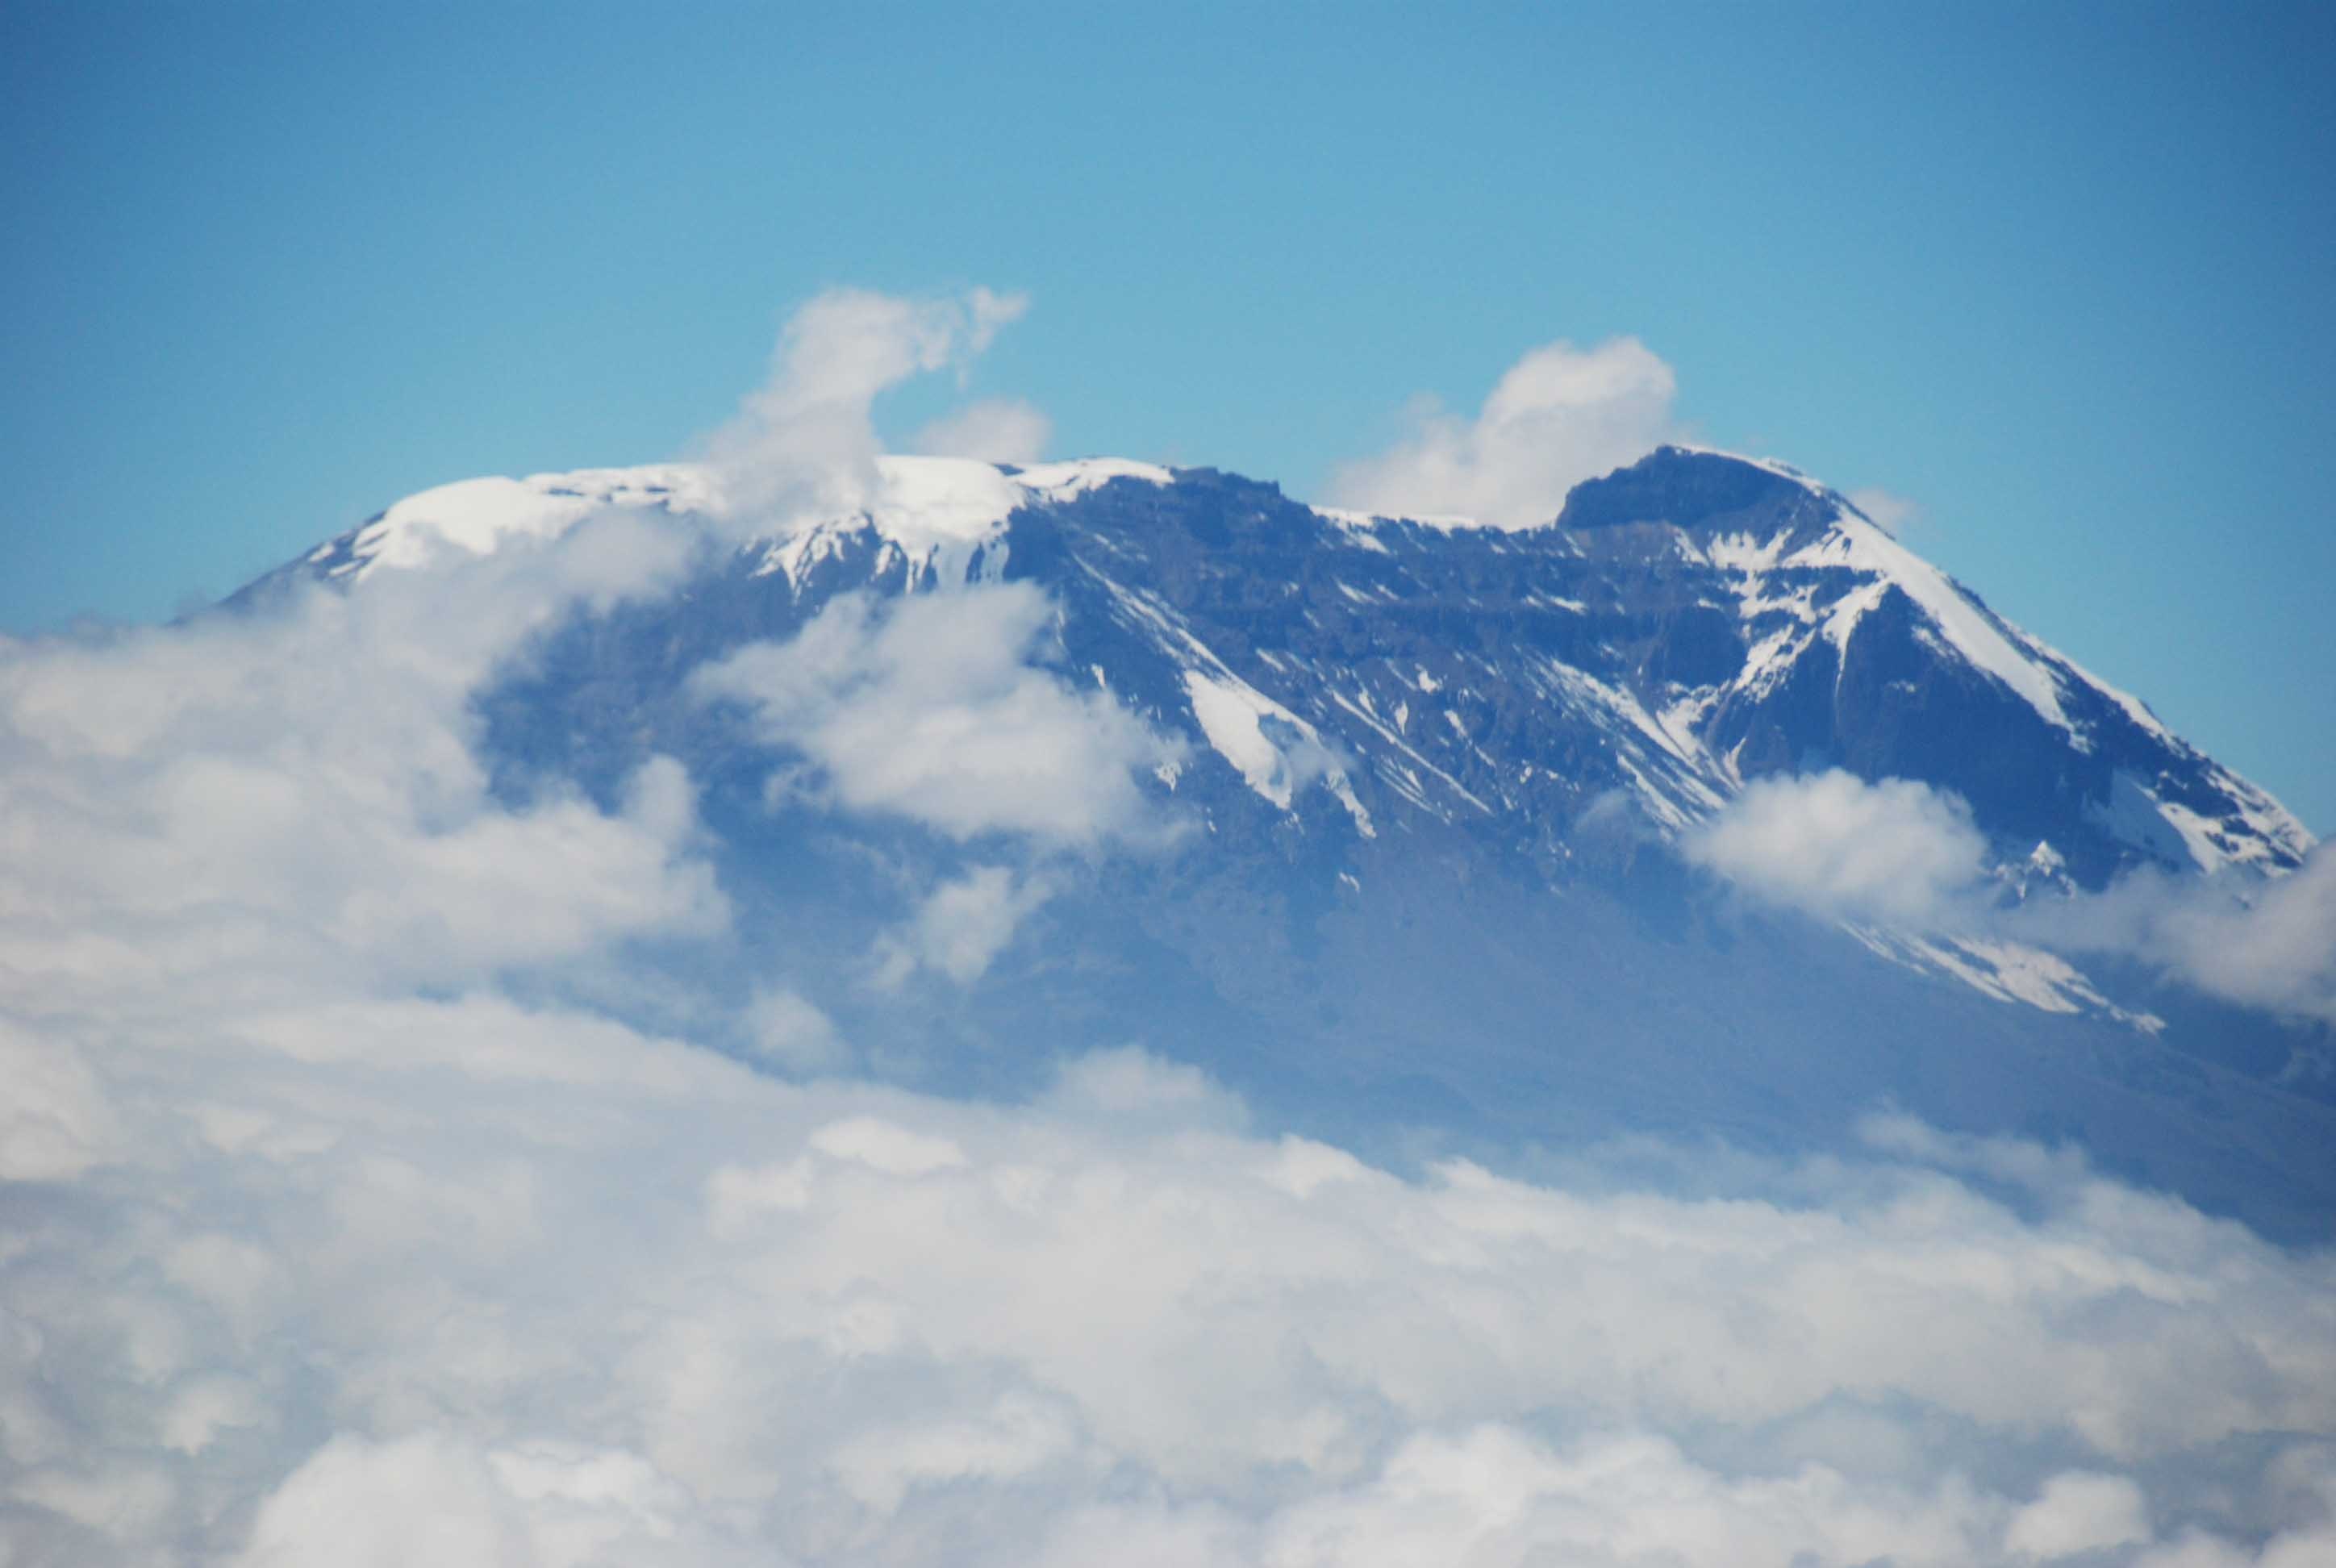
(1681, 626)
(1437, 775)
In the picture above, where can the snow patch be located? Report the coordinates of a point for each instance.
(2011, 973)
(937, 510)
(1367, 521)
(477, 516)
(1240, 721)
(1361, 528)
(1065, 481)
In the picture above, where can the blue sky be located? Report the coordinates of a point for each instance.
(2060, 276)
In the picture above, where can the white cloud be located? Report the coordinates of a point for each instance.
(2268, 943)
(467, 1279)
(928, 709)
(290, 798)
(451, 1504)
(995, 430)
(961, 926)
(1127, 1086)
(2080, 1512)
(55, 1122)
(1017, 1435)
(1833, 844)
(1559, 415)
(793, 1034)
(1902, 853)
(1893, 514)
(342, 1252)
(802, 446)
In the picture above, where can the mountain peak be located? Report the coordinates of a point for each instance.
(1697, 488)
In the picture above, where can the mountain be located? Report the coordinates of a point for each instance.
(1436, 788)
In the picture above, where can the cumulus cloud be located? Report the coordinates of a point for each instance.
(995, 430)
(1833, 844)
(1558, 416)
(802, 446)
(930, 708)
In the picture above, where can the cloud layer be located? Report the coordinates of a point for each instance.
(1558, 416)
(498, 1284)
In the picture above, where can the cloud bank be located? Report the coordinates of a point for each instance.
(1558, 416)
(494, 1283)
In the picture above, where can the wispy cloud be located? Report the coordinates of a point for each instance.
(1892, 514)
(995, 430)
(960, 926)
(803, 446)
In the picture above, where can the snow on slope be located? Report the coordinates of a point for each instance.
(1854, 542)
(1062, 480)
(475, 516)
(1275, 752)
(934, 510)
